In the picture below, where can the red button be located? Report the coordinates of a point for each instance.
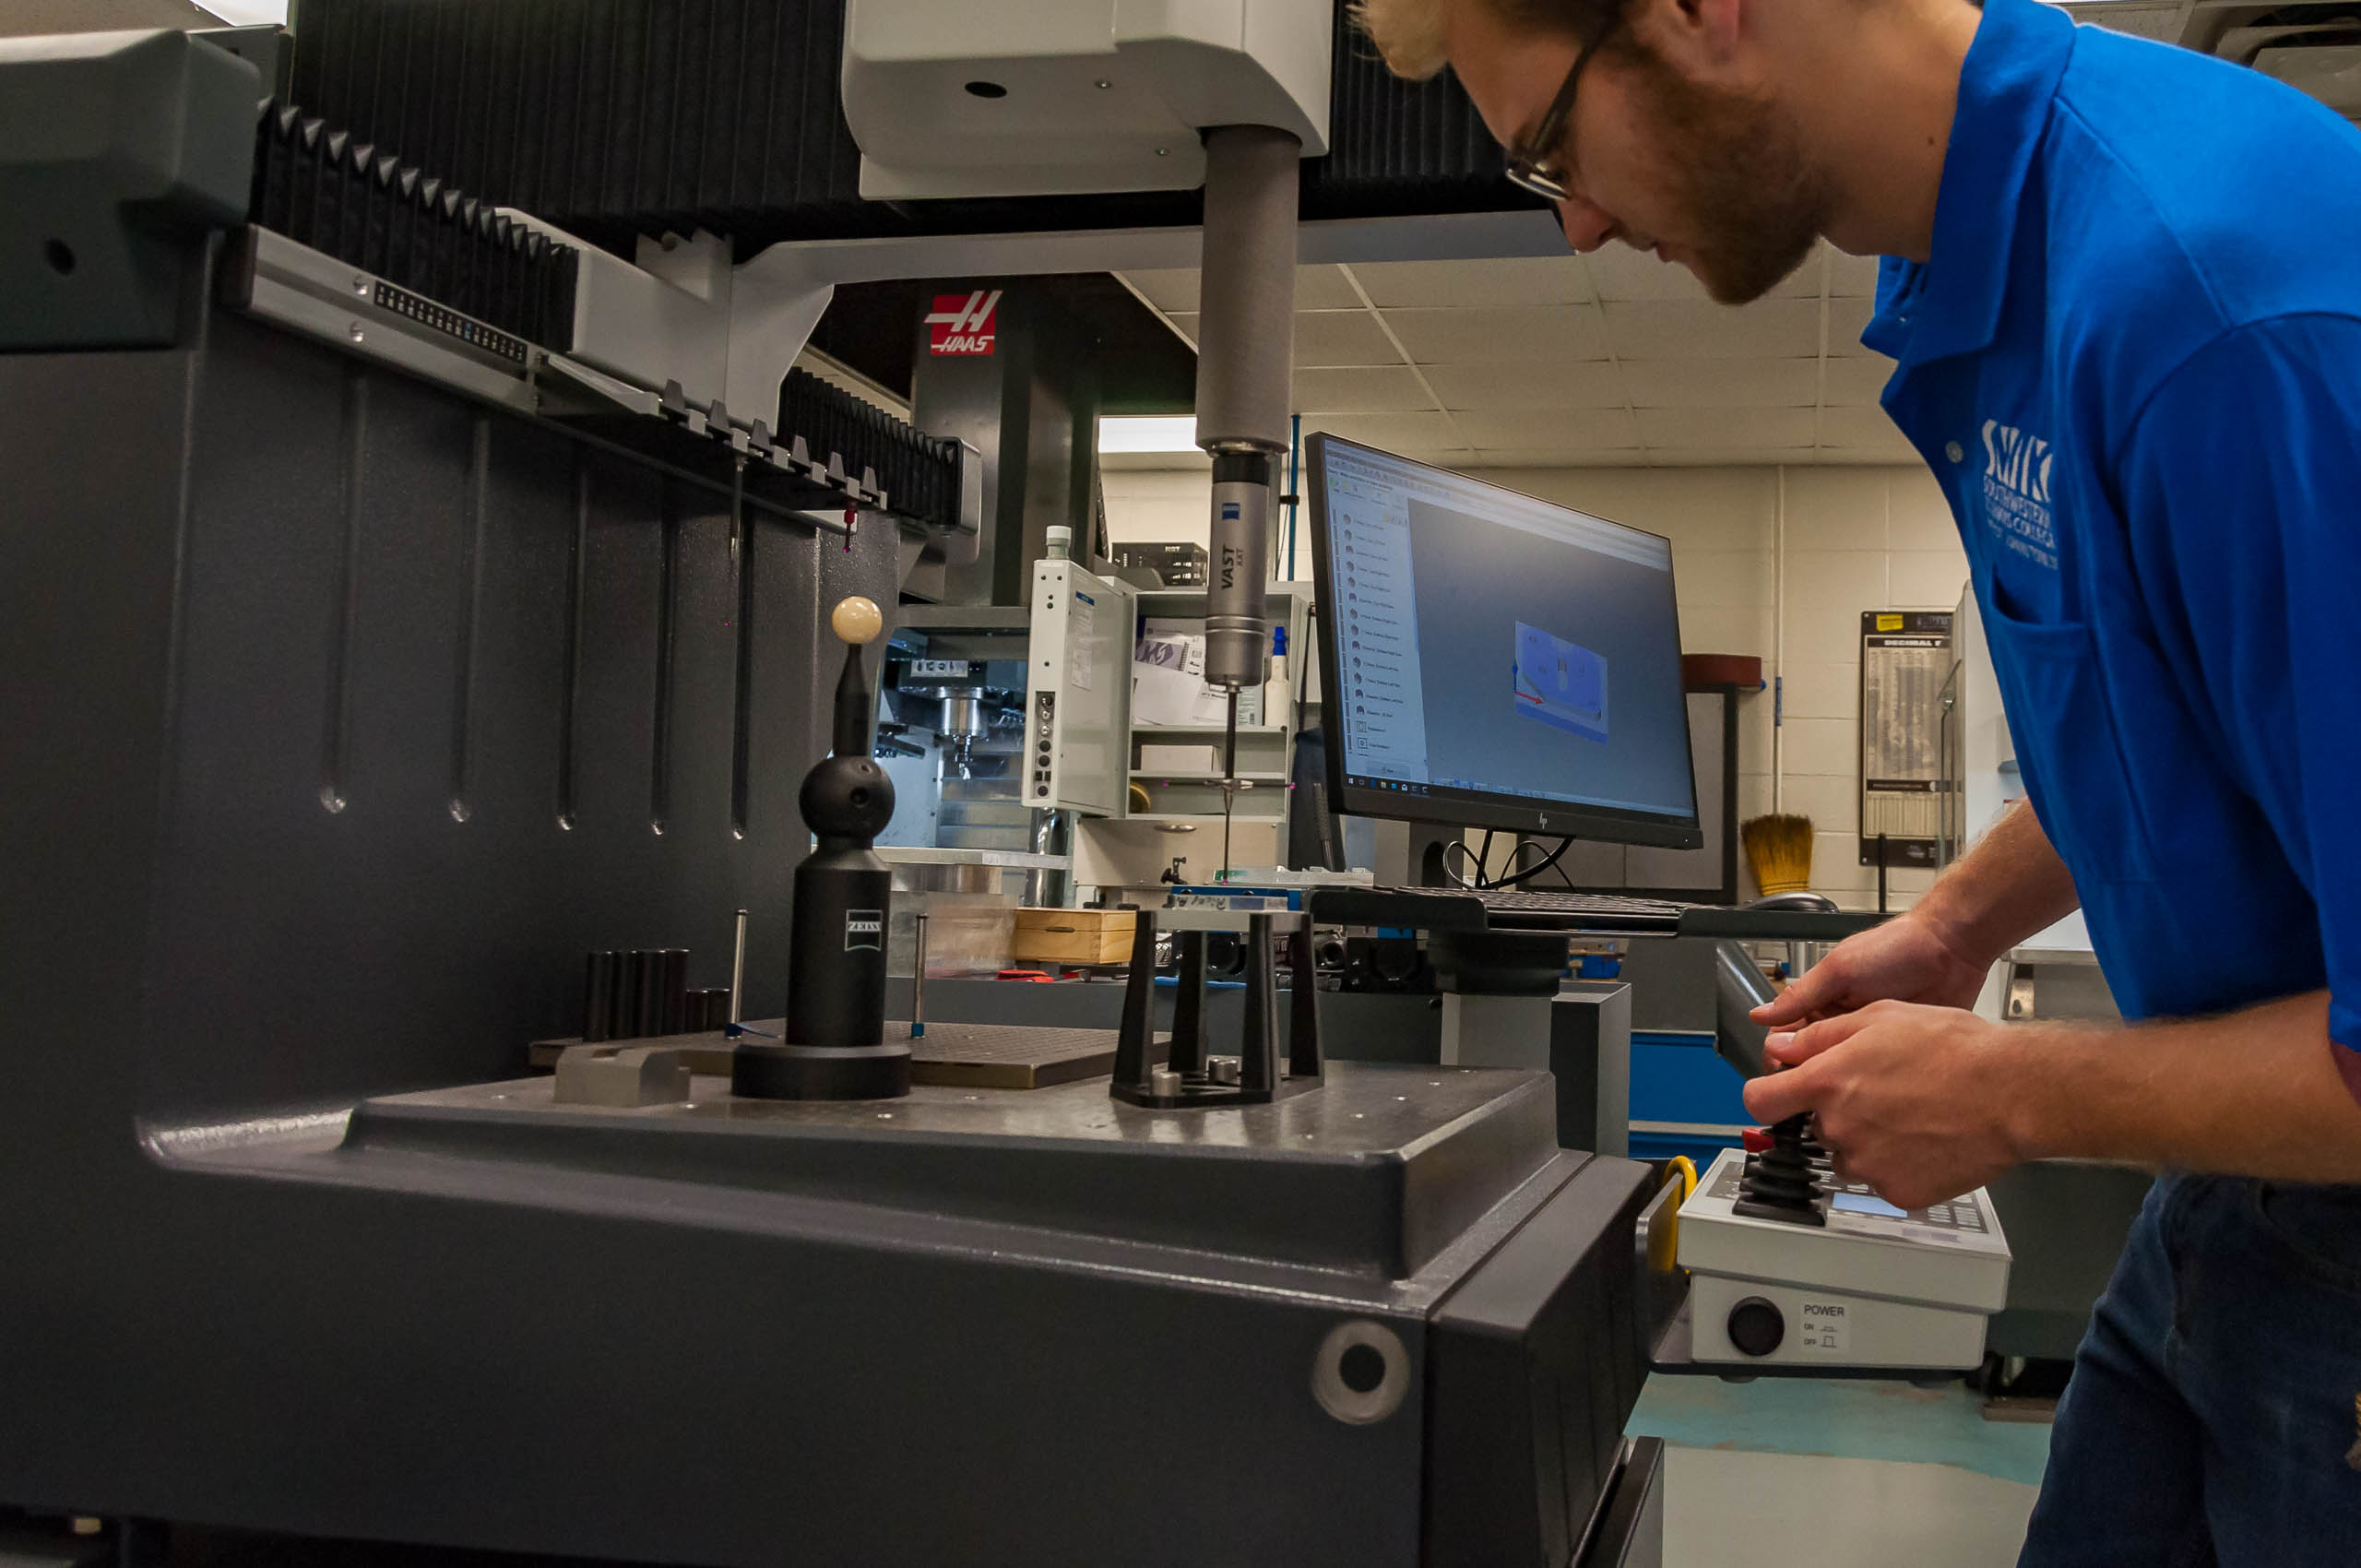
(1757, 1140)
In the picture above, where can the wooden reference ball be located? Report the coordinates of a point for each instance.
(857, 620)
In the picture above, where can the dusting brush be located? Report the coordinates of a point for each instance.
(1779, 848)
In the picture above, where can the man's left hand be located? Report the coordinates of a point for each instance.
(1910, 1098)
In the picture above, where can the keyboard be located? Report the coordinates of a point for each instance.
(1466, 908)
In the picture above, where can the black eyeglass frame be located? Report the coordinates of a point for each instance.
(1531, 164)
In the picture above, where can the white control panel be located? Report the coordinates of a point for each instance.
(1869, 1284)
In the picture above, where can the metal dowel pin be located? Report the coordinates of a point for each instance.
(918, 981)
(738, 974)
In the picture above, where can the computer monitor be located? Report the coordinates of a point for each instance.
(1491, 660)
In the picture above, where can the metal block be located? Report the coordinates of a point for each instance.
(622, 1074)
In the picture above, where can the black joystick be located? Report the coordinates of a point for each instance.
(834, 1044)
(1782, 1182)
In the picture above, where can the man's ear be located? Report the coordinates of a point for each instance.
(1699, 39)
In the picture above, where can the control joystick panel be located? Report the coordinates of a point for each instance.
(1791, 1267)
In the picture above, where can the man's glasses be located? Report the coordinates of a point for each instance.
(1535, 163)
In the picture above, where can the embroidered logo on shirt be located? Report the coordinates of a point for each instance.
(2016, 493)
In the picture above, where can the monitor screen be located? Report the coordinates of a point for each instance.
(1495, 661)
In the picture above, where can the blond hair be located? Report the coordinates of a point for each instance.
(1412, 34)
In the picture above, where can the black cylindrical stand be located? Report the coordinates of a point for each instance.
(598, 996)
(834, 1040)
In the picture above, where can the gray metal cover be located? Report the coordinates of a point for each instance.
(115, 149)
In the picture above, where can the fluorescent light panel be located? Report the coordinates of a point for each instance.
(248, 13)
(1176, 432)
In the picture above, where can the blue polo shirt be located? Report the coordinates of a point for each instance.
(2133, 361)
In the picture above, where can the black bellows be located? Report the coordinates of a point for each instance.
(920, 473)
(616, 118)
(608, 118)
(348, 199)
(1396, 147)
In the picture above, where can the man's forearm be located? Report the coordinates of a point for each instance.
(2254, 1092)
(2009, 886)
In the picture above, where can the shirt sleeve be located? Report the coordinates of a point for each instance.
(2242, 495)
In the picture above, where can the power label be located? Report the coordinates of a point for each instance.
(1826, 1329)
(864, 929)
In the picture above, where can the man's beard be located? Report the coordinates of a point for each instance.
(1736, 173)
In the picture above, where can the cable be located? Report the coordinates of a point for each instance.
(1549, 862)
(1479, 883)
(1511, 874)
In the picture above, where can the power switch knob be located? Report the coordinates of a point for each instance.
(1756, 1326)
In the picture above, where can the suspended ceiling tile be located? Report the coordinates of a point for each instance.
(1722, 384)
(1370, 389)
(1324, 288)
(1863, 428)
(1560, 457)
(1686, 429)
(1728, 456)
(1330, 338)
(2163, 22)
(1846, 318)
(1619, 272)
(1854, 381)
(1700, 330)
(1537, 429)
(1497, 335)
(1517, 280)
(1566, 384)
(1411, 432)
(1169, 289)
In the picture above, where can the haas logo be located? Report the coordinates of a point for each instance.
(2016, 460)
(962, 323)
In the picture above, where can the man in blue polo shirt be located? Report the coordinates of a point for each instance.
(2124, 287)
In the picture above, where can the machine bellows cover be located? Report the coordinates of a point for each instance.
(347, 198)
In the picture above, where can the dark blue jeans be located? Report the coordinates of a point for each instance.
(2214, 1413)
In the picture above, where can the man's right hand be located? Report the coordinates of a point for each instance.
(1909, 959)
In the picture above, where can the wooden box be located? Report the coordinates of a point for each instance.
(1074, 937)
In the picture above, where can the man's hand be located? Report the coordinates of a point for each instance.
(1909, 959)
(1912, 1099)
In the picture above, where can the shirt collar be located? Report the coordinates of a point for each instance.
(1951, 305)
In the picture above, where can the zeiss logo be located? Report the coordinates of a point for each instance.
(864, 929)
(1230, 513)
(2016, 460)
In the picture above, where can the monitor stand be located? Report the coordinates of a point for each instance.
(1410, 854)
